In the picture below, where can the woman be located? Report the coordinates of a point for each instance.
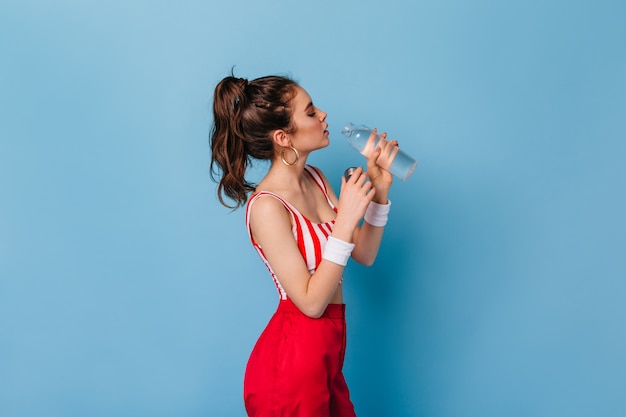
(303, 233)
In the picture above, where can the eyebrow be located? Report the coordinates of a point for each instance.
(308, 105)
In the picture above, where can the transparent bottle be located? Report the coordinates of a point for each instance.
(401, 165)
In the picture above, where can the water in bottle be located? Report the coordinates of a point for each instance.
(401, 165)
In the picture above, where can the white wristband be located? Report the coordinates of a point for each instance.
(377, 214)
(337, 251)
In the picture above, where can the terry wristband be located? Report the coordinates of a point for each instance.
(337, 251)
(377, 214)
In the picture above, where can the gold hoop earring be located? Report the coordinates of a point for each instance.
(295, 151)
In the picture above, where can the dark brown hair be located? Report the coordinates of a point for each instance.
(245, 114)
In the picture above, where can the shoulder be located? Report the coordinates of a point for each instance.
(267, 207)
(268, 217)
(266, 202)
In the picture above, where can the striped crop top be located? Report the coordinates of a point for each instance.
(311, 237)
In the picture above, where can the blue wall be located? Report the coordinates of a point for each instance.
(127, 290)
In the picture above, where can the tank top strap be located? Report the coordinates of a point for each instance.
(317, 177)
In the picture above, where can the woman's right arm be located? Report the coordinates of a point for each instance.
(271, 228)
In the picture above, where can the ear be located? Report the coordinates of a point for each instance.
(281, 138)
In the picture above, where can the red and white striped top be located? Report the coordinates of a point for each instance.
(311, 237)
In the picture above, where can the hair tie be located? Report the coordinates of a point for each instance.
(243, 83)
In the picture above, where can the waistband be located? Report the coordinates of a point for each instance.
(333, 311)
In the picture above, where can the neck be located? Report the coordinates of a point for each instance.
(290, 176)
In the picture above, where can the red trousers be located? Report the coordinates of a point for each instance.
(295, 369)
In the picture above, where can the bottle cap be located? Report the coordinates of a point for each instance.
(348, 173)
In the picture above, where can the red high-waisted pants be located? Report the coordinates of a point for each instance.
(295, 369)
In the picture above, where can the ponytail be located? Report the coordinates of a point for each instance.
(227, 143)
(245, 114)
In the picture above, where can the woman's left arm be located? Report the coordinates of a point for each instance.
(367, 238)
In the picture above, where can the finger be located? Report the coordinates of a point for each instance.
(359, 178)
(393, 144)
(383, 144)
(371, 161)
(352, 176)
(390, 148)
(356, 174)
(362, 179)
(372, 139)
(373, 134)
(343, 186)
(370, 194)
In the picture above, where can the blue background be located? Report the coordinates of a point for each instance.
(127, 290)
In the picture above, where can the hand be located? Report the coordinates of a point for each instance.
(378, 163)
(355, 195)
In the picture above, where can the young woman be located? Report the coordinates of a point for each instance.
(303, 233)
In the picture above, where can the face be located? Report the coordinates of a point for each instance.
(311, 127)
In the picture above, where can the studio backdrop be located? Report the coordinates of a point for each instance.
(126, 289)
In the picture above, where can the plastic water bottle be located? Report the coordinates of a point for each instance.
(401, 165)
